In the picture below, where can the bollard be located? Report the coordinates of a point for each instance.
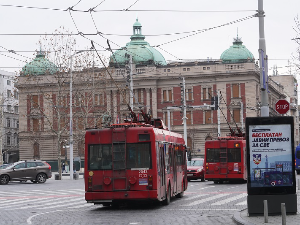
(283, 213)
(266, 214)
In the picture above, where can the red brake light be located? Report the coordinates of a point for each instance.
(150, 182)
(90, 181)
(48, 165)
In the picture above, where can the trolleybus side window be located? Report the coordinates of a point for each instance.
(99, 157)
(138, 155)
(212, 155)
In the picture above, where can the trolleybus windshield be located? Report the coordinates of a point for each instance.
(213, 155)
(100, 156)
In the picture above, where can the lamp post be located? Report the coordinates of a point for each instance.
(71, 113)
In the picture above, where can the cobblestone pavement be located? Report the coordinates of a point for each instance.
(62, 202)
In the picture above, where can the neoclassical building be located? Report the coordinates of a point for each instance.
(102, 96)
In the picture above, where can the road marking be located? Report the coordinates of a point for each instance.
(230, 199)
(12, 204)
(30, 218)
(191, 198)
(242, 203)
(49, 203)
(71, 202)
(206, 199)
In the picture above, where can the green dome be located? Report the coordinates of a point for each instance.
(237, 53)
(39, 66)
(140, 50)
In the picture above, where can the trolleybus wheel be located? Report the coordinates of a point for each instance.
(168, 196)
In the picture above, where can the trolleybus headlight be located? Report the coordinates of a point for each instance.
(199, 170)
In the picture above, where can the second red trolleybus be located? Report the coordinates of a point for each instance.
(225, 159)
(134, 161)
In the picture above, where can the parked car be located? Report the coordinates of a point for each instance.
(195, 169)
(36, 171)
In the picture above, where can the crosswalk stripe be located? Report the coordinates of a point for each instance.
(242, 203)
(191, 198)
(59, 202)
(22, 201)
(230, 199)
(206, 199)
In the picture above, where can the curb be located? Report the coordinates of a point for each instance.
(239, 220)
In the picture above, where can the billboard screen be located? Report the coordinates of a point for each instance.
(270, 154)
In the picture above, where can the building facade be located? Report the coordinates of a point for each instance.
(9, 129)
(102, 96)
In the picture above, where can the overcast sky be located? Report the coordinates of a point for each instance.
(279, 23)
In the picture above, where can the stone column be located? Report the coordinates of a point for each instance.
(148, 106)
(108, 101)
(154, 102)
(115, 106)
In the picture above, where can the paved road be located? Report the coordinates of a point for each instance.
(62, 202)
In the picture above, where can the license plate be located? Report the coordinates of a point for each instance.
(189, 175)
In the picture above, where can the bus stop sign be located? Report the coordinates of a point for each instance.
(282, 106)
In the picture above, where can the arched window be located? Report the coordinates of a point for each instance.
(36, 150)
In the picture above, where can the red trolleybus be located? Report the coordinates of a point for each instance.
(225, 159)
(134, 161)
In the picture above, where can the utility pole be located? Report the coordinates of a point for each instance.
(131, 81)
(263, 60)
(183, 107)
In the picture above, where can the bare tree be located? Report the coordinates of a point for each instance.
(48, 99)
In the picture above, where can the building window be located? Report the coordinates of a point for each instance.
(208, 118)
(189, 118)
(36, 150)
(168, 70)
(16, 94)
(17, 124)
(184, 69)
(8, 122)
(35, 101)
(166, 118)
(236, 115)
(167, 95)
(209, 93)
(137, 96)
(8, 140)
(35, 125)
(9, 108)
(189, 94)
(8, 93)
(188, 69)
(235, 90)
(204, 93)
(16, 108)
(8, 82)
(208, 68)
(204, 68)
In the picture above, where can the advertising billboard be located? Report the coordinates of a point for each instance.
(270, 143)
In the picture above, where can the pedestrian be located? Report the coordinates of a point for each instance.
(63, 167)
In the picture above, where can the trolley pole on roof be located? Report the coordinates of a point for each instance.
(263, 62)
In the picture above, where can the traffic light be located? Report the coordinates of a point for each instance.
(214, 103)
(182, 93)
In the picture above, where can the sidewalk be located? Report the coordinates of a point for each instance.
(242, 217)
(65, 176)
